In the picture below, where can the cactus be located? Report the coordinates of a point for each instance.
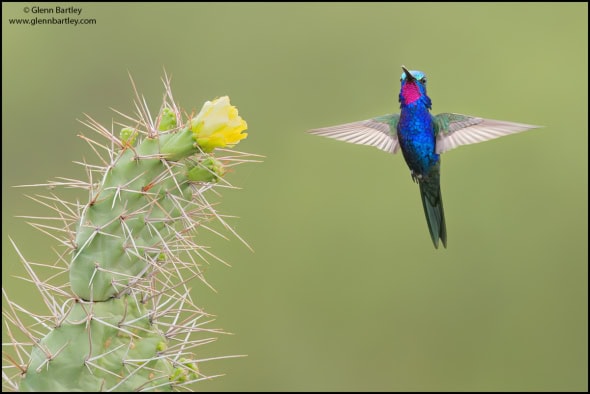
(121, 317)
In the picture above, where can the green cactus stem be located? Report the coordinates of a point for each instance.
(121, 314)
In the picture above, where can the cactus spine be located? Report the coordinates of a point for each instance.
(125, 320)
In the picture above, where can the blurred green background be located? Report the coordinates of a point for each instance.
(344, 290)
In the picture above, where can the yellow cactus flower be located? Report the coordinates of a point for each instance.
(218, 125)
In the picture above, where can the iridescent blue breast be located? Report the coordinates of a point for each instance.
(415, 131)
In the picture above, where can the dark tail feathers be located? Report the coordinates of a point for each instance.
(433, 209)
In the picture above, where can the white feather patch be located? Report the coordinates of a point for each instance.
(366, 132)
(476, 130)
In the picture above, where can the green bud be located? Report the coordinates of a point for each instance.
(128, 136)
(179, 375)
(186, 370)
(161, 346)
(167, 120)
(207, 170)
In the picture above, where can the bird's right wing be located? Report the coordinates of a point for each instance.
(379, 132)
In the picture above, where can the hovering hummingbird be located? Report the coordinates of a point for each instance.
(422, 137)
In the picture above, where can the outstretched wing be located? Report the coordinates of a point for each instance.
(453, 130)
(379, 132)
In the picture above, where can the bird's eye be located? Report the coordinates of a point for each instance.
(423, 80)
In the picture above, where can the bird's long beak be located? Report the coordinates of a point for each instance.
(409, 76)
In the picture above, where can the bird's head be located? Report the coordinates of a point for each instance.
(413, 88)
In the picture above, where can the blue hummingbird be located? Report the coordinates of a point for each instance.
(422, 137)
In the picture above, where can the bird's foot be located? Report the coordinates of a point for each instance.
(416, 177)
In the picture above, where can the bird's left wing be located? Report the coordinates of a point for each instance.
(453, 130)
(379, 132)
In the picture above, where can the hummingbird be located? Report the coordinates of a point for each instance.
(422, 137)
